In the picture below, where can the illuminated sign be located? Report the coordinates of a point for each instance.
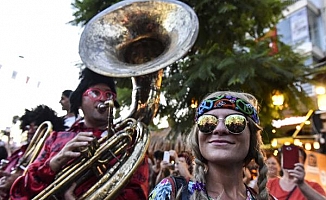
(288, 121)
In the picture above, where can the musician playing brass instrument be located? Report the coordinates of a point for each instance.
(97, 159)
(29, 123)
(62, 147)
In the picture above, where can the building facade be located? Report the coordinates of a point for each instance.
(304, 28)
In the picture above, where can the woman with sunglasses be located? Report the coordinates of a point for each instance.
(225, 138)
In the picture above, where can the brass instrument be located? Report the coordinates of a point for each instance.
(36, 144)
(137, 39)
(33, 148)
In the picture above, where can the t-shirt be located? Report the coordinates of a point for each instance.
(275, 189)
(69, 121)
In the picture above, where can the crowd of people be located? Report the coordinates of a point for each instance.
(224, 161)
(224, 157)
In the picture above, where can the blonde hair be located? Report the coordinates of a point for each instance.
(254, 151)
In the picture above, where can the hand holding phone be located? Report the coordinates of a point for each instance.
(290, 156)
(166, 156)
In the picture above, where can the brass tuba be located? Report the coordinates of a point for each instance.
(137, 39)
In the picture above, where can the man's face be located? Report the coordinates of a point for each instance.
(31, 129)
(94, 118)
(64, 101)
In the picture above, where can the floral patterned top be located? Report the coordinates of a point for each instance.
(163, 191)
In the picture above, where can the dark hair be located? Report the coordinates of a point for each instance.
(88, 79)
(3, 152)
(301, 149)
(67, 93)
(40, 114)
(158, 155)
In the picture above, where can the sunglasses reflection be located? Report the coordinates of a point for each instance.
(234, 123)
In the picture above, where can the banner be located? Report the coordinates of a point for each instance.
(299, 26)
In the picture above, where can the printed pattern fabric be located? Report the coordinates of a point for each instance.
(39, 174)
(163, 191)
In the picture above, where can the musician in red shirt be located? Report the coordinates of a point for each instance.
(29, 123)
(63, 147)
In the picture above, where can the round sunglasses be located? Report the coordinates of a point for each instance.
(96, 94)
(234, 123)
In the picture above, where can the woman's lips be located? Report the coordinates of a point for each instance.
(221, 142)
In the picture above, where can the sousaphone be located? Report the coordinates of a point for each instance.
(137, 39)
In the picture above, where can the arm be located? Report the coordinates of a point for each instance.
(56, 153)
(164, 171)
(310, 193)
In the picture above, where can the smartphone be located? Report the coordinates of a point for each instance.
(166, 156)
(290, 156)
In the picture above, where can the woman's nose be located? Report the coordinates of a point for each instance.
(220, 128)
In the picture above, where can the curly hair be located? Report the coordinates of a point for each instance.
(40, 114)
(189, 159)
(254, 151)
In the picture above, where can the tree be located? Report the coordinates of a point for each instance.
(231, 53)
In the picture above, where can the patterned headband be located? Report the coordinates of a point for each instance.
(229, 102)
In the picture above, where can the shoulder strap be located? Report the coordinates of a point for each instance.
(172, 181)
(179, 182)
(253, 192)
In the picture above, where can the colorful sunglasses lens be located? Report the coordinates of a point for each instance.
(234, 123)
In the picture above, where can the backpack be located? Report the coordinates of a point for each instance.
(179, 182)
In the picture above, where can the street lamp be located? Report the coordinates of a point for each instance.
(278, 99)
(194, 103)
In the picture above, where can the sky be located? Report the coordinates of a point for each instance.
(41, 48)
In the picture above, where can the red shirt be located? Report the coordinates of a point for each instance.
(39, 174)
(14, 158)
(275, 189)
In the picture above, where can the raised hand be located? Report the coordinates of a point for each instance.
(298, 173)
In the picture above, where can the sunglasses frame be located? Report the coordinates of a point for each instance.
(222, 119)
(102, 93)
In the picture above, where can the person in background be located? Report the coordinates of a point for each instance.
(62, 148)
(225, 138)
(69, 117)
(3, 150)
(273, 165)
(29, 123)
(156, 167)
(166, 168)
(293, 186)
(184, 164)
(180, 165)
(250, 174)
